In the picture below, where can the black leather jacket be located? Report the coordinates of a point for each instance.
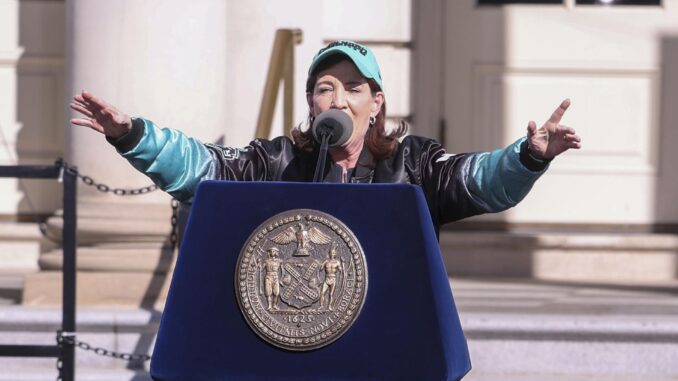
(448, 181)
(455, 185)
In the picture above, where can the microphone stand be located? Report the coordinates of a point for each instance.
(320, 164)
(330, 127)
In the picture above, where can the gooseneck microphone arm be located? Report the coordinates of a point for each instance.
(331, 128)
(322, 155)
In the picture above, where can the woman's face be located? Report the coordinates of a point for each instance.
(343, 87)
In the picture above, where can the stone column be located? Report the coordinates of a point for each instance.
(9, 126)
(166, 61)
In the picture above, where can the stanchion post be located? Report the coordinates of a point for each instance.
(65, 351)
(69, 275)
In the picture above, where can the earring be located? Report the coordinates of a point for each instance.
(373, 120)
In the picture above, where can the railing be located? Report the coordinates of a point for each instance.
(64, 351)
(280, 69)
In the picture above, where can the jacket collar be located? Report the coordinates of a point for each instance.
(363, 172)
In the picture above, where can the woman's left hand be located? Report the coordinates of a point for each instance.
(552, 138)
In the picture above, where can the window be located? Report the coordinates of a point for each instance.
(618, 2)
(578, 2)
(502, 2)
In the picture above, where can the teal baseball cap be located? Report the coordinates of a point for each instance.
(360, 55)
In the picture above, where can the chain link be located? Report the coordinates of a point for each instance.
(174, 239)
(65, 167)
(61, 339)
(100, 186)
(59, 362)
(174, 236)
(59, 366)
(87, 180)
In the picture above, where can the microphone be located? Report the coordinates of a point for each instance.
(335, 124)
(331, 128)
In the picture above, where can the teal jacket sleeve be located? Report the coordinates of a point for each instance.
(462, 185)
(500, 179)
(174, 161)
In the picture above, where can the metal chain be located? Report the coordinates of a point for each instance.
(61, 339)
(98, 350)
(59, 366)
(174, 240)
(59, 362)
(100, 186)
(174, 236)
(65, 167)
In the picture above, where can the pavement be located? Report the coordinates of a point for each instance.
(528, 330)
(530, 296)
(517, 330)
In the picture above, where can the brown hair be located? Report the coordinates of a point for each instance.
(380, 143)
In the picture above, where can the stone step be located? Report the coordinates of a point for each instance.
(93, 230)
(122, 221)
(11, 288)
(114, 258)
(120, 330)
(575, 356)
(101, 288)
(120, 261)
(157, 245)
(19, 247)
(80, 375)
(630, 258)
(520, 376)
(529, 330)
(517, 330)
(19, 231)
(123, 209)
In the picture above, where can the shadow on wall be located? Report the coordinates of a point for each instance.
(40, 101)
(489, 254)
(666, 208)
(455, 98)
(613, 259)
(608, 257)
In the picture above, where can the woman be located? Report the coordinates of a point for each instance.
(345, 76)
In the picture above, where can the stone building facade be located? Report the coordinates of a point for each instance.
(470, 74)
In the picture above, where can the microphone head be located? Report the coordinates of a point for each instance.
(333, 123)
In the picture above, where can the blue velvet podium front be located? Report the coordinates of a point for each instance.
(408, 328)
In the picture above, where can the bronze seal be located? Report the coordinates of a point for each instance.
(301, 279)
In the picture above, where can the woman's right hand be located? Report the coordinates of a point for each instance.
(100, 116)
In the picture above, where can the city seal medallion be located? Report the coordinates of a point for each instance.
(301, 279)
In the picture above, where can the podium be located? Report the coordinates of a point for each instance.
(407, 329)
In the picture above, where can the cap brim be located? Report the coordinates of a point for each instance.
(364, 70)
